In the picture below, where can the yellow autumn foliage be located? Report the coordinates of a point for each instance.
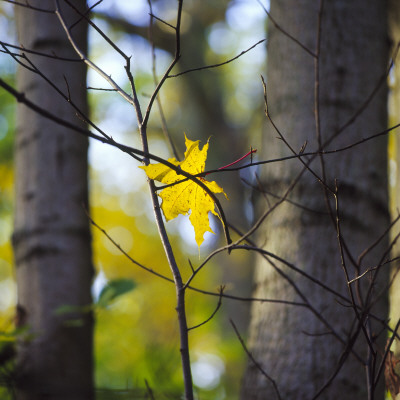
(187, 195)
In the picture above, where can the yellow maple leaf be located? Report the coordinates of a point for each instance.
(188, 195)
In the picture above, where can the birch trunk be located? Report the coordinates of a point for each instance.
(52, 241)
(293, 344)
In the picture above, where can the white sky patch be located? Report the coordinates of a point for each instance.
(98, 284)
(117, 172)
(136, 11)
(119, 117)
(207, 371)
(111, 66)
(245, 15)
(221, 39)
(186, 231)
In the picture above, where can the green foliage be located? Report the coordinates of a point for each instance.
(7, 127)
(114, 289)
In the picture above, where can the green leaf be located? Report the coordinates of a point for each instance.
(114, 289)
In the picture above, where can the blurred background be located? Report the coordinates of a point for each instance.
(136, 336)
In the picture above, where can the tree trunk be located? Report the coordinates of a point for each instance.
(301, 348)
(394, 163)
(52, 241)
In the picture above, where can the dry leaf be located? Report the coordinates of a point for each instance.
(392, 379)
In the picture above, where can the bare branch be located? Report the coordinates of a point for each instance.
(27, 5)
(219, 64)
(277, 26)
(254, 361)
(108, 78)
(159, 105)
(221, 291)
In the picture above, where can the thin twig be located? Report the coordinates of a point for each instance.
(162, 21)
(179, 286)
(389, 344)
(342, 359)
(108, 78)
(167, 136)
(26, 5)
(360, 316)
(94, 26)
(39, 53)
(195, 289)
(20, 97)
(221, 291)
(219, 64)
(133, 261)
(255, 362)
(177, 56)
(281, 136)
(370, 269)
(295, 203)
(287, 34)
(149, 390)
(378, 240)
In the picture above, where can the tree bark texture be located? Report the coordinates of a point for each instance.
(52, 241)
(301, 347)
(394, 165)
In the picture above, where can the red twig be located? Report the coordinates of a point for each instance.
(238, 160)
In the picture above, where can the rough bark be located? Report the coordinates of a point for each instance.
(394, 165)
(292, 344)
(52, 242)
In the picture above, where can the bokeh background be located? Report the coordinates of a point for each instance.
(136, 335)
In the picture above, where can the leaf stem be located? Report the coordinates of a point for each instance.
(238, 160)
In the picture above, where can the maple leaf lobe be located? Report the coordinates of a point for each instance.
(188, 195)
